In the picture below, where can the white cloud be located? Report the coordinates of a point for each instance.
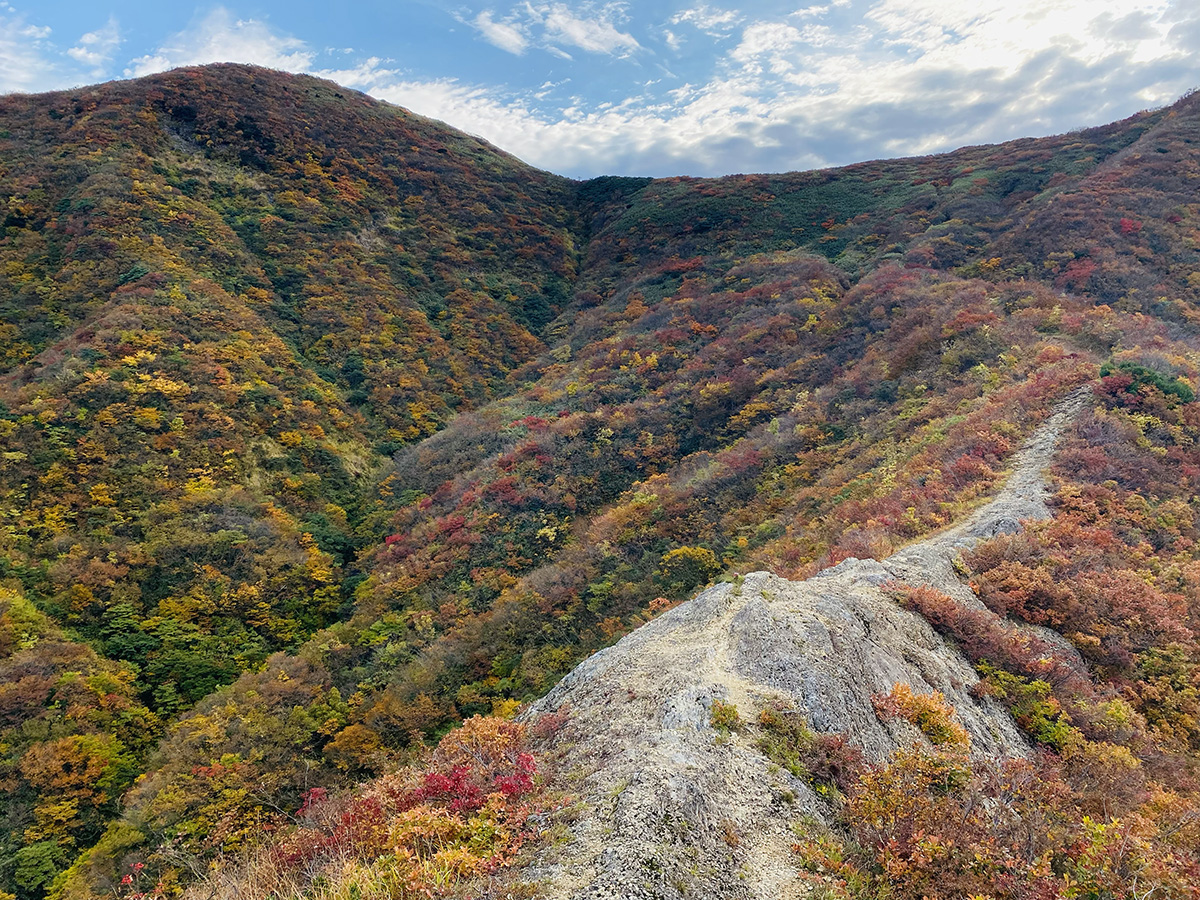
(594, 34)
(714, 22)
(1007, 33)
(553, 26)
(366, 75)
(96, 48)
(505, 35)
(25, 55)
(775, 46)
(691, 130)
(218, 37)
(766, 39)
(810, 12)
(817, 35)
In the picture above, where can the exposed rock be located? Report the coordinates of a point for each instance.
(675, 810)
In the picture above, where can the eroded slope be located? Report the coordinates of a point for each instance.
(664, 793)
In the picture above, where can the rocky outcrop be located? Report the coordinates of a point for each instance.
(671, 809)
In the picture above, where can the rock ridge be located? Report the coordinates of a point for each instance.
(666, 792)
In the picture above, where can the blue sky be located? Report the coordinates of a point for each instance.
(663, 87)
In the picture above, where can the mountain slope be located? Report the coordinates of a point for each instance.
(187, 333)
(226, 296)
(643, 712)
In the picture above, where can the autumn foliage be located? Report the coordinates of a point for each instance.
(325, 427)
(462, 812)
(934, 821)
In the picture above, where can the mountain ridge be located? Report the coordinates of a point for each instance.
(642, 722)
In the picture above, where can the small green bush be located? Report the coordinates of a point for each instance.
(724, 717)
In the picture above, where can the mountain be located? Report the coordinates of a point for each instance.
(326, 427)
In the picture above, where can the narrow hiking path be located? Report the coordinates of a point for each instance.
(1023, 497)
(1025, 490)
(661, 790)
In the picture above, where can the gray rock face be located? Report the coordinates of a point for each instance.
(674, 810)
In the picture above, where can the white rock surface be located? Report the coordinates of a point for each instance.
(663, 791)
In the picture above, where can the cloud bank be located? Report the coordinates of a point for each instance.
(219, 37)
(823, 85)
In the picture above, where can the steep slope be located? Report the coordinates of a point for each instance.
(227, 295)
(664, 791)
(1124, 232)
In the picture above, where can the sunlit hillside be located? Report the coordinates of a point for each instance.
(326, 427)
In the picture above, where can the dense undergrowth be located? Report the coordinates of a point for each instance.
(326, 427)
(936, 821)
(457, 818)
(1109, 806)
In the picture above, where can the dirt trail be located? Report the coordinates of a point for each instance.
(1023, 497)
(674, 810)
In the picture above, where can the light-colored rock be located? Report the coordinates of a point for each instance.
(674, 810)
